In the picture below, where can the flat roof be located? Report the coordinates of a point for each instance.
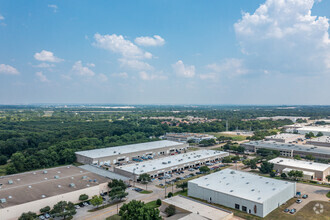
(125, 149)
(303, 164)
(285, 136)
(170, 161)
(195, 207)
(103, 172)
(242, 184)
(35, 185)
(315, 128)
(285, 146)
(322, 139)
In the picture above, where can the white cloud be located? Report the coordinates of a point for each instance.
(118, 44)
(41, 77)
(135, 64)
(284, 36)
(145, 76)
(2, 17)
(44, 65)
(210, 76)
(7, 69)
(184, 71)
(102, 77)
(123, 75)
(156, 40)
(90, 64)
(47, 56)
(81, 70)
(54, 7)
(229, 67)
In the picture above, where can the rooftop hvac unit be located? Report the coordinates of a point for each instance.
(30, 187)
(56, 177)
(95, 180)
(84, 177)
(72, 185)
(232, 172)
(43, 196)
(10, 182)
(45, 171)
(59, 186)
(3, 200)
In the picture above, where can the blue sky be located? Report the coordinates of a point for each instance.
(165, 52)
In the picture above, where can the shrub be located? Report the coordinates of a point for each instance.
(170, 194)
(158, 202)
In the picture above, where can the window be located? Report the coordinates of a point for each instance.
(236, 206)
(244, 209)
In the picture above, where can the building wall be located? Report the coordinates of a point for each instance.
(262, 209)
(113, 159)
(318, 143)
(318, 174)
(326, 133)
(14, 212)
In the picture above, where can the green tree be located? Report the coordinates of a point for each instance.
(253, 164)
(158, 202)
(63, 210)
(170, 194)
(309, 157)
(83, 197)
(145, 179)
(28, 216)
(328, 178)
(226, 159)
(137, 210)
(115, 183)
(204, 169)
(96, 200)
(170, 210)
(272, 174)
(182, 185)
(283, 176)
(319, 134)
(45, 209)
(297, 157)
(3, 159)
(266, 167)
(117, 192)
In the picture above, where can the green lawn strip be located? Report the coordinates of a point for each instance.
(233, 136)
(182, 193)
(152, 204)
(104, 206)
(146, 192)
(328, 194)
(114, 217)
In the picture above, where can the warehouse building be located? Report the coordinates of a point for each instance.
(190, 209)
(244, 191)
(32, 191)
(125, 153)
(289, 150)
(166, 165)
(325, 130)
(285, 138)
(311, 170)
(320, 141)
(185, 137)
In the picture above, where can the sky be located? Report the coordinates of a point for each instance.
(264, 52)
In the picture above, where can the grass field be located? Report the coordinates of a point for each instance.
(146, 192)
(152, 204)
(114, 217)
(234, 137)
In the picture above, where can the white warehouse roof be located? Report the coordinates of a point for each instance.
(170, 161)
(322, 139)
(242, 185)
(125, 149)
(300, 164)
(315, 128)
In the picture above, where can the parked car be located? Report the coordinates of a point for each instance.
(298, 194)
(286, 210)
(161, 184)
(77, 206)
(305, 196)
(47, 216)
(161, 178)
(197, 173)
(299, 201)
(191, 169)
(292, 211)
(42, 217)
(85, 204)
(138, 190)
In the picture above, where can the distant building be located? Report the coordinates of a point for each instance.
(125, 153)
(166, 165)
(311, 170)
(314, 129)
(243, 191)
(191, 209)
(34, 190)
(285, 137)
(289, 150)
(275, 118)
(185, 137)
(320, 141)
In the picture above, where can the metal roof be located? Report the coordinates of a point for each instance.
(303, 164)
(104, 173)
(171, 161)
(125, 149)
(242, 184)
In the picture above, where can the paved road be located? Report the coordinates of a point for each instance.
(315, 193)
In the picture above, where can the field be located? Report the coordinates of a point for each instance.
(234, 137)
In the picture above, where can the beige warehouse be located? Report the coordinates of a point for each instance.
(314, 170)
(32, 191)
(125, 153)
